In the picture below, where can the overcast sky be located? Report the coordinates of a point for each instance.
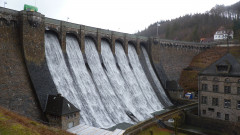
(127, 16)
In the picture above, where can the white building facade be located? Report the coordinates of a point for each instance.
(222, 34)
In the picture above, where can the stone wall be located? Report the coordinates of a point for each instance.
(74, 117)
(16, 91)
(173, 59)
(32, 31)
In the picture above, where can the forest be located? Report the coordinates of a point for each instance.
(194, 27)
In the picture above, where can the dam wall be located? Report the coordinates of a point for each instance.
(172, 60)
(16, 89)
(26, 80)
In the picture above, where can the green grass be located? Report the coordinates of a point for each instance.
(15, 124)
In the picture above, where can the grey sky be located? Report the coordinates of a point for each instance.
(127, 16)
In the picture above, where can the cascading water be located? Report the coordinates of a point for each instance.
(136, 95)
(142, 79)
(125, 94)
(59, 71)
(88, 95)
(115, 109)
(155, 79)
(113, 90)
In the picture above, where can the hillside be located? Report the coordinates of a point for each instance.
(188, 79)
(194, 27)
(14, 124)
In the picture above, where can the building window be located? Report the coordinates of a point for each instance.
(74, 114)
(226, 116)
(227, 103)
(218, 115)
(238, 104)
(215, 88)
(238, 90)
(204, 87)
(204, 78)
(211, 109)
(204, 100)
(239, 81)
(238, 118)
(227, 89)
(215, 79)
(203, 111)
(227, 80)
(214, 101)
(222, 68)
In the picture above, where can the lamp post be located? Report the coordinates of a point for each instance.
(158, 24)
(67, 19)
(5, 3)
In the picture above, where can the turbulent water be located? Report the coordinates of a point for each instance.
(142, 79)
(105, 89)
(155, 79)
(137, 96)
(59, 70)
(128, 96)
(115, 109)
(93, 109)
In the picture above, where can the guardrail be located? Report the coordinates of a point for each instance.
(140, 126)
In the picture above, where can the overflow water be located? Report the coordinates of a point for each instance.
(59, 71)
(105, 91)
(115, 109)
(136, 96)
(155, 79)
(127, 97)
(142, 80)
(93, 108)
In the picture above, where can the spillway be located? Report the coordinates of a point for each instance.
(59, 70)
(93, 108)
(142, 79)
(126, 95)
(155, 79)
(106, 88)
(137, 96)
(115, 109)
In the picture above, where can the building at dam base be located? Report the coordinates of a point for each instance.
(110, 77)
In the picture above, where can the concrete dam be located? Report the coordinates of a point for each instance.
(108, 75)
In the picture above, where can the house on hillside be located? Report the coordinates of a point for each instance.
(222, 34)
(61, 113)
(219, 90)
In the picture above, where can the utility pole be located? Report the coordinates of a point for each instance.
(158, 24)
(228, 37)
(5, 3)
(227, 44)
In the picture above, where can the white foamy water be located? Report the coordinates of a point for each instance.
(104, 91)
(115, 109)
(155, 78)
(93, 108)
(126, 95)
(142, 79)
(59, 71)
(136, 96)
